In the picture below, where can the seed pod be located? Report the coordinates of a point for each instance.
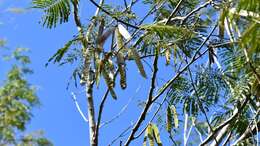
(150, 134)
(99, 66)
(99, 35)
(85, 70)
(111, 70)
(175, 116)
(121, 68)
(169, 118)
(105, 35)
(156, 134)
(167, 56)
(138, 62)
(123, 31)
(109, 82)
(119, 40)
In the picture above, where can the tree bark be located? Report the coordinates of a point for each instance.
(91, 115)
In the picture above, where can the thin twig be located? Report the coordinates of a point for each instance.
(148, 102)
(196, 10)
(227, 139)
(121, 111)
(78, 107)
(174, 11)
(101, 107)
(114, 17)
(121, 135)
(200, 135)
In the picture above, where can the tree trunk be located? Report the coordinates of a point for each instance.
(91, 114)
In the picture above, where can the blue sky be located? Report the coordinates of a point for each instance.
(58, 116)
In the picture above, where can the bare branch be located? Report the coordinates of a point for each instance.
(78, 107)
(196, 10)
(227, 139)
(148, 102)
(121, 111)
(101, 107)
(108, 13)
(174, 11)
(121, 135)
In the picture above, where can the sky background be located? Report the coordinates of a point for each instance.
(58, 115)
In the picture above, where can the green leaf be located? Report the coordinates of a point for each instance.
(61, 52)
(166, 30)
(55, 11)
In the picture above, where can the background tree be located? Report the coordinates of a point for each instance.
(17, 98)
(212, 57)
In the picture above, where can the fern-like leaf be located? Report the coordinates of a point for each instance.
(61, 52)
(55, 11)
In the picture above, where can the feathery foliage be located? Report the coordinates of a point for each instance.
(55, 11)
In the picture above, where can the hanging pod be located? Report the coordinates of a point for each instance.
(134, 54)
(123, 31)
(167, 55)
(109, 82)
(152, 134)
(121, 68)
(120, 58)
(86, 68)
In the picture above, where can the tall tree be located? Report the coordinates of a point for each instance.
(210, 44)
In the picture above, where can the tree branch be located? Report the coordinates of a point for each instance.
(108, 13)
(91, 114)
(174, 11)
(196, 10)
(193, 59)
(78, 107)
(121, 111)
(148, 102)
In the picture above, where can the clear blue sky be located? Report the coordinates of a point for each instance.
(58, 116)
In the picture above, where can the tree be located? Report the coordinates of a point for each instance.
(215, 80)
(17, 98)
